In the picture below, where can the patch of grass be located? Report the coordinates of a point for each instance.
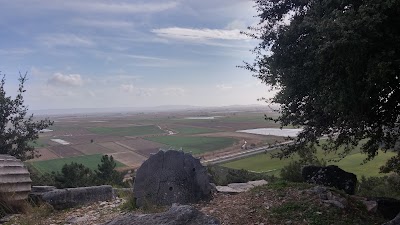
(90, 161)
(34, 215)
(127, 131)
(194, 130)
(196, 145)
(307, 212)
(352, 163)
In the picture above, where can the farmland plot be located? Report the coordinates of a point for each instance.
(143, 147)
(65, 151)
(90, 149)
(127, 131)
(130, 159)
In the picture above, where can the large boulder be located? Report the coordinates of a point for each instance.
(331, 176)
(171, 177)
(176, 215)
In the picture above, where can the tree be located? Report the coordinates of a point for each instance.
(106, 173)
(74, 175)
(17, 129)
(335, 64)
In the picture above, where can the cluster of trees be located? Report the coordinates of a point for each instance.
(336, 66)
(77, 175)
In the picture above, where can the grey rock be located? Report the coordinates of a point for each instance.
(171, 177)
(331, 176)
(176, 215)
(335, 203)
(42, 188)
(240, 187)
(372, 206)
(72, 197)
(228, 190)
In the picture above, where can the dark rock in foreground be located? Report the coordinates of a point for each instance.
(388, 207)
(176, 215)
(331, 176)
(171, 177)
(72, 197)
(395, 221)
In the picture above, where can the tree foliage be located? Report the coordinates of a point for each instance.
(17, 129)
(74, 175)
(106, 173)
(335, 64)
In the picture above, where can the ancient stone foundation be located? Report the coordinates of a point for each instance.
(72, 197)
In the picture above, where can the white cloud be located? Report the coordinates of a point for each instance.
(224, 87)
(53, 40)
(129, 88)
(103, 7)
(103, 23)
(200, 34)
(15, 51)
(140, 92)
(66, 80)
(236, 25)
(173, 91)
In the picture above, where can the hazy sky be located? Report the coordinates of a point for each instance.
(87, 53)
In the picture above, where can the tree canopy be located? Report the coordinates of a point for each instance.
(335, 64)
(17, 128)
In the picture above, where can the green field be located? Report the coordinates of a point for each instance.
(194, 130)
(196, 145)
(352, 163)
(127, 131)
(90, 161)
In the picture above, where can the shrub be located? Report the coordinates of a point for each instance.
(387, 186)
(292, 172)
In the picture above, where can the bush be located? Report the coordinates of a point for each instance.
(292, 172)
(387, 186)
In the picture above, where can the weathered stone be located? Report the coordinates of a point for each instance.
(72, 197)
(15, 181)
(240, 187)
(388, 207)
(176, 215)
(394, 221)
(228, 190)
(171, 177)
(371, 206)
(331, 176)
(335, 203)
(42, 188)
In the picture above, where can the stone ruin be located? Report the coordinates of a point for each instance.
(171, 177)
(15, 181)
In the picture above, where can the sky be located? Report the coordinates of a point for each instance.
(103, 53)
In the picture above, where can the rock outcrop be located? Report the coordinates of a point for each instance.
(72, 197)
(176, 215)
(171, 177)
(331, 176)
